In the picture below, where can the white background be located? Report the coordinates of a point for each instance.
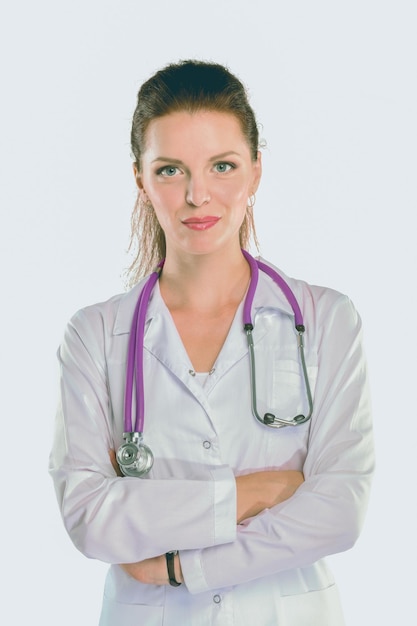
(334, 87)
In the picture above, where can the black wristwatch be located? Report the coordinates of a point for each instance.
(170, 567)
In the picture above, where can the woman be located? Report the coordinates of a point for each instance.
(230, 520)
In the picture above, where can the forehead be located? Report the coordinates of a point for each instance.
(208, 129)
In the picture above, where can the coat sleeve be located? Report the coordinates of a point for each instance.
(114, 519)
(326, 514)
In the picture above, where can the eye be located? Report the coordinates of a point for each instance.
(167, 170)
(224, 167)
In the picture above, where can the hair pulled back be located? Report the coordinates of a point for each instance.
(189, 86)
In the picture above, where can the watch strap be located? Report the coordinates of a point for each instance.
(170, 567)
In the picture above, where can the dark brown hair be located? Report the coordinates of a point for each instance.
(185, 86)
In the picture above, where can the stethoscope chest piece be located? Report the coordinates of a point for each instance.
(134, 457)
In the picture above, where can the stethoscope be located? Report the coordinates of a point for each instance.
(134, 457)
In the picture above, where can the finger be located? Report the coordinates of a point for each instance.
(112, 455)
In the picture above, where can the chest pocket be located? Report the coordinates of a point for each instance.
(281, 388)
(280, 384)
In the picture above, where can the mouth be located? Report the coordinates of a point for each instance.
(201, 223)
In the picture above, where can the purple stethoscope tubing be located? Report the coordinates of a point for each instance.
(269, 419)
(285, 288)
(134, 368)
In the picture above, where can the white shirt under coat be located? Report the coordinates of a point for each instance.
(268, 570)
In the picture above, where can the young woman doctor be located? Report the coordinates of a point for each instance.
(230, 520)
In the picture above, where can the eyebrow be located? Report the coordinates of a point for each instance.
(216, 157)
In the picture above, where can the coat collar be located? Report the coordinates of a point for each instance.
(267, 296)
(163, 341)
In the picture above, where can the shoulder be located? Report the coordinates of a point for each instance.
(108, 316)
(317, 302)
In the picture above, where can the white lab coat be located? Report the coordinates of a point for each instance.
(270, 569)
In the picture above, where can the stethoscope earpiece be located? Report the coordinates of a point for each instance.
(269, 418)
(276, 422)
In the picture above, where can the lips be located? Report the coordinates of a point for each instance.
(201, 223)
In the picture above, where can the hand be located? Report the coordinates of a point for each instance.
(263, 490)
(153, 571)
(116, 466)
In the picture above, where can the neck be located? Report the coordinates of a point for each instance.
(204, 283)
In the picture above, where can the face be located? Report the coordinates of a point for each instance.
(198, 174)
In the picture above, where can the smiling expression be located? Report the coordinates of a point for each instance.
(197, 172)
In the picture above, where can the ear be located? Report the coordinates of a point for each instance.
(257, 172)
(139, 183)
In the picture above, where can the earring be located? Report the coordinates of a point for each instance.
(251, 201)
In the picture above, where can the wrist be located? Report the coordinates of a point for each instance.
(178, 569)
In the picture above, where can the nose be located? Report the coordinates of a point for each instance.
(197, 192)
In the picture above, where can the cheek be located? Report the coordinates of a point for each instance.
(164, 196)
(236, 194)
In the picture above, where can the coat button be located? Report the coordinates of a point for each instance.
(217, 599)
(207, 444)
